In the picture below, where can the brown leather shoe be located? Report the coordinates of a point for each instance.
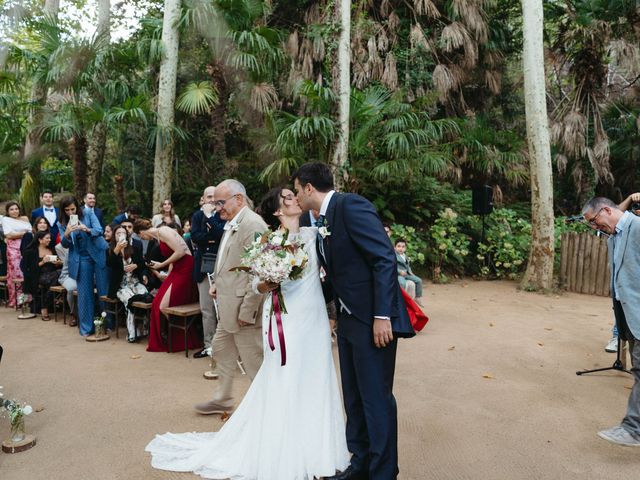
(211, 408)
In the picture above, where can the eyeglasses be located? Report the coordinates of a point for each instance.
(221, 203)
(592, 222)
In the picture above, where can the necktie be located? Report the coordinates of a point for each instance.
(320, 221)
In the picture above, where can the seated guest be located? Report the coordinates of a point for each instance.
(67, 282)
(132, 212)
(127, 274)
(40, 224)
(82, 235)
(41, 271)
(15, 226)
(177, 289)
(165, 215)
(404, 270)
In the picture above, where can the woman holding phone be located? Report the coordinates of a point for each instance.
(127, 272)
(41, 270)
(82, 235)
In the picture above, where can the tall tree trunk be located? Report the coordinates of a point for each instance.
(219, 119)
(98, 138)
(539, 273)
(341, 152)
(33, 142)
(78, 150)
(95, 156)
(118, 187)
(162, 173)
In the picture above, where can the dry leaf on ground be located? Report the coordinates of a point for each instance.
(491, 324)
(39, 409)
(135, 357)
(540, 344)
(452, 347)
(488, 375)
(548, 328)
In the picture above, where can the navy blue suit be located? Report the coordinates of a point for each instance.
(361, 269)
(118, 219)
(206, 234)
(39, 212)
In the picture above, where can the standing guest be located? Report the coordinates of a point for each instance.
(176, 289)
(82, 235)
(624, 263)
(361, 269)
(48, 211)
(206, 232)
(404, 269)
(90, 202)
(132, 212)
(239, 330)
(15, 226)
(40, 224)
(41, 271)
(127, 270)
(3, 251)
(166, 215)
(67, 282)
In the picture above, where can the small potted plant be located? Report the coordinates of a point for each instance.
(16, 412)
(100, 324)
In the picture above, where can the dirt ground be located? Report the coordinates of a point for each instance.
(488, 391)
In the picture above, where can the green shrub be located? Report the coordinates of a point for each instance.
(449, 246)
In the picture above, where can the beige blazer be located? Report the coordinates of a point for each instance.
(236, 299)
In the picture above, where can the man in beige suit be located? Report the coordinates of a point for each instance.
(239, 308)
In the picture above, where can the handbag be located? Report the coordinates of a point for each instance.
(208, 262)
(416, 315)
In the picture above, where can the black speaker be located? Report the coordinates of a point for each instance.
(482, 200)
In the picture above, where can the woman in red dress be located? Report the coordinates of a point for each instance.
(177, 289)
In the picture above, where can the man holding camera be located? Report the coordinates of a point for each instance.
(624, 262)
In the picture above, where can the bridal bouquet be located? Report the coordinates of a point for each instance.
(274, 257)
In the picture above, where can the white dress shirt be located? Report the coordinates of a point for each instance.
(227, 233)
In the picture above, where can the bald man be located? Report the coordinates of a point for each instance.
(206, 232)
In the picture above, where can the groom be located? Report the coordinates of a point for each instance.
(361, 269)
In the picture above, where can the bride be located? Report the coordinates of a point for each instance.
(290, 424)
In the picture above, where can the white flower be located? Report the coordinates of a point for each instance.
(324, 231)
(235, 228)
(27, 410)
(276, 240)
(103, 314)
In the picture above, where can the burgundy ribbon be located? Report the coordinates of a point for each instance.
(275, 299)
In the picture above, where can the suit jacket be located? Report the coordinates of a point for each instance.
(98, 213)
(235, 296)
(118, 219)
(96, 245)
(625, 277)
(404, 265)
(39, 212)
(361, 264)
(206, 234)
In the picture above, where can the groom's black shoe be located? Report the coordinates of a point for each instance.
(348, 474)
(201, 354)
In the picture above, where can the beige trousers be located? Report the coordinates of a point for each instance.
(247, 343)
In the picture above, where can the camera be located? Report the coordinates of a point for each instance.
(635, 206)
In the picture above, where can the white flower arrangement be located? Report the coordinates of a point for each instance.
(15, 411)
(324, 231)
(100, 324)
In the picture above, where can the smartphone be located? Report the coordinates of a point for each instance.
(122, 237)
(73, 220)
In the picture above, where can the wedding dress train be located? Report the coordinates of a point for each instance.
(290, 424)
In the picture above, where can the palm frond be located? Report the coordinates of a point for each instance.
(197, 98)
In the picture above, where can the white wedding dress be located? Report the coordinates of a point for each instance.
(290, 424)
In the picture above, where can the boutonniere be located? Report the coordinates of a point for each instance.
(324, 232)
(235, 228)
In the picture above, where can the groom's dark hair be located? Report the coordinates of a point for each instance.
(317, 174)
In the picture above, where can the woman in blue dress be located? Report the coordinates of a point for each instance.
(82, 235)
